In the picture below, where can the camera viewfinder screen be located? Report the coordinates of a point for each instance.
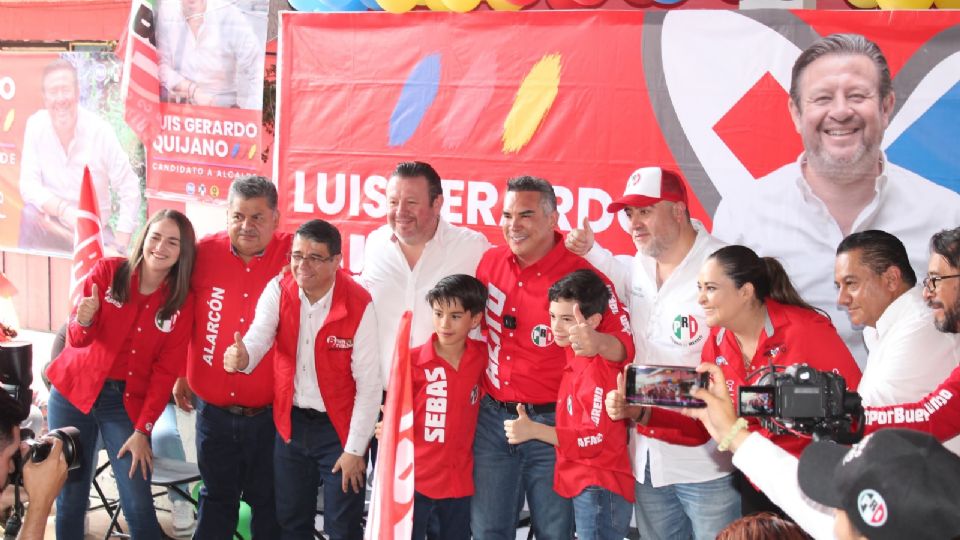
(757, 401)
(663, 386)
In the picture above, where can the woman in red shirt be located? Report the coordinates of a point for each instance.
(127, 342)
(757, 321)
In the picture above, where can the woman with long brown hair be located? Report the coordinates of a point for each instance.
(127, 341)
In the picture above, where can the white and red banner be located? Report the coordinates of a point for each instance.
(87, 238)
(580, 98)
(141, 84)
(211, 58)
(391, 504)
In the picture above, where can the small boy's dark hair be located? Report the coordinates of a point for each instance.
(585, 288)
(468, 290)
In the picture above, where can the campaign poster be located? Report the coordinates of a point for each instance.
(583, 99)
(61, 112)
(211, 58)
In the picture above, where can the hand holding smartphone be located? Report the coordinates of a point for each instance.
(664, 386)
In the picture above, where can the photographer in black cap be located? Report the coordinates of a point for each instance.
(894, 484)
(41, 480)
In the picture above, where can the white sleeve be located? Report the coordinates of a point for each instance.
(365, 364)
(616, 270)
(259, 337)
(726, 225)
(31, 170)
(774, 471)
(249, 53)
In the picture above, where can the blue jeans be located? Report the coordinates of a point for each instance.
(165, 442)
(679, 511)
(503, 472)
(235, 456)
(109, 419)
(301, 467)
(601, 514)
(448, 519)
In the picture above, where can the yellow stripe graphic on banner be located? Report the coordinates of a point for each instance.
(9, 120)
(532, 103)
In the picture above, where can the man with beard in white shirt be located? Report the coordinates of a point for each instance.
(681, 491)
(841, 100)
(877, 287)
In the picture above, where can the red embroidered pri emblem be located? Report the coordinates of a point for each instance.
(339, 343)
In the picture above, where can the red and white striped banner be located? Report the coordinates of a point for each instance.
(140, 85)
(391, 505)
(87, 238)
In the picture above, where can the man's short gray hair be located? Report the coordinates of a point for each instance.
(251, 187)
(841, 44)
(548, 199)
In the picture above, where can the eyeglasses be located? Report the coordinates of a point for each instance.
(313, 260)
(930, 282)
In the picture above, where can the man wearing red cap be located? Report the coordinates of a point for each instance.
(681, 491)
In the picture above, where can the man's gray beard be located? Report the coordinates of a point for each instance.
(951, 320)
(831, 167)
(654, 249)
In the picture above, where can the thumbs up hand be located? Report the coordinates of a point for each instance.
(584, 340)
(236, 358)
(521, 429)
(580, 241)
(88, 306)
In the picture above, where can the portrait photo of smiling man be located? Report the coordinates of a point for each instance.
(841, 101)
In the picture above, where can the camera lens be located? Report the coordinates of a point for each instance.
(70, 436)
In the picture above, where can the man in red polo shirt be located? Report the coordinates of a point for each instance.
(235, 432)
(525, 365)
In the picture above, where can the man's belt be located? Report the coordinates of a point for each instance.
(532, 408)
(312, 414)
(243, 411)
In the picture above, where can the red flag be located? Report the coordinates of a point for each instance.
(87, 238)
(391, 505)
(140, 84)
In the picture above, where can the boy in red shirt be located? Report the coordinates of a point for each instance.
(593, 466)
(446, 373)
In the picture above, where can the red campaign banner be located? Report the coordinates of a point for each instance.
(579, 98)
(464, 95)
(200, 150)
(59, 113)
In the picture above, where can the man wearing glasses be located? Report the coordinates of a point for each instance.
(878, 288)
(326, 383)
(938, 412)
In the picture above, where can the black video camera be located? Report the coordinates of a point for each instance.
(804, 400)
(16, 376)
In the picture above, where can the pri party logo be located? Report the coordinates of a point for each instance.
(541, 335)
(686, 330)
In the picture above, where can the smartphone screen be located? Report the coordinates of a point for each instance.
(757, 401)
(664, 386)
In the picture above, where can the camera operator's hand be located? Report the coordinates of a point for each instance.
(142, 457)
(88, 306)
(235, 358)
(719, 415)
(182, 394)
(616, 402)
(42, 482)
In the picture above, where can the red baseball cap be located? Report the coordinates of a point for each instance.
(648, 186)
